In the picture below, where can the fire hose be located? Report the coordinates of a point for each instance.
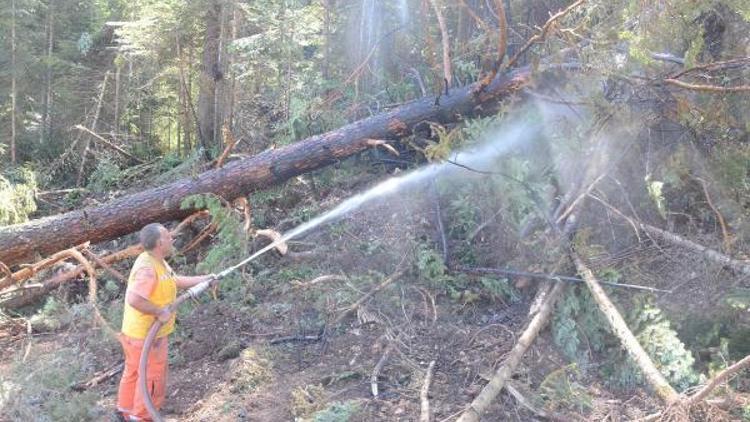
(192, 292)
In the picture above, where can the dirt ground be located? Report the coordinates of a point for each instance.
(227, 362)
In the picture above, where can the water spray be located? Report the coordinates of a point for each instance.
(477, 156)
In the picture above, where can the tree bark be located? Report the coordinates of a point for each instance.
(116, 120)
(210, 74)
(13, 89)
(447, 70)
(44, 133)
(127, 214)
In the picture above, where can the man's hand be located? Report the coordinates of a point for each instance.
(165, 314)
(186, 282)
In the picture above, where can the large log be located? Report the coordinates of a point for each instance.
(23, 242)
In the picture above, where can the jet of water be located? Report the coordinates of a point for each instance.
(483, 155)
(403, 9)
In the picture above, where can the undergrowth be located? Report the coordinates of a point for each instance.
(583, 335)
(17, 196)
(39, 388)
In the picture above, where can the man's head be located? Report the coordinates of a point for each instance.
(156, 240)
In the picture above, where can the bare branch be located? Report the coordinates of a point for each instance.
(707, 88)
(498, 381)
(502, 46)
(424, 394)
(718, 379)
(657, 381)
(544, 31)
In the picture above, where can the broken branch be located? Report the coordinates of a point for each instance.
(378, 368)
(502, 46)
(718, 379)
(447, 72)
(108, 144)
(30, 270)
(498, 381)
(707, 88)
(230, 143)
(657, 381)
(393, 277)
(106, 266)
(424, 394)
(98, 378)
(741, 267)
(542, 34)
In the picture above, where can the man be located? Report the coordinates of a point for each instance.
(152, 287)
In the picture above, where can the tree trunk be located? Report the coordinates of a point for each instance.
(231, 58)
(13, 93)
(118, 71)
(45, 130)
(210, 74)
(129, 213)
(93, 129)
(186, 104)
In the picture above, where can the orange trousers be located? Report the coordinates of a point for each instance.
(130, 396)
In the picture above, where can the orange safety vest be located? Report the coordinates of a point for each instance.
(135, 324)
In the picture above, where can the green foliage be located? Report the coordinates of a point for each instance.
(432, 269)
(105, 177)
(578, 325)
(561, 390)
(464, 214)
(230, 240)
(499, 288)
(655, 192)
(17, 193)
(731, 165)
(577, 320)
(337, 412)
(430, 265)
(250, 371)
(739, 298)
(288, 274)
(654, 332)
(448, 141)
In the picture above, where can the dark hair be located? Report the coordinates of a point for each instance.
(149, 236)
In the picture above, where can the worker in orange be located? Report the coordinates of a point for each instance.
(152, 287)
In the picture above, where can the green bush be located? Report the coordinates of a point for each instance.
(106, 176)
(17, 192)
(578, 325)
(337, 412)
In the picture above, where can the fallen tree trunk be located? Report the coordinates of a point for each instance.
(56, 280)
(20, 243)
